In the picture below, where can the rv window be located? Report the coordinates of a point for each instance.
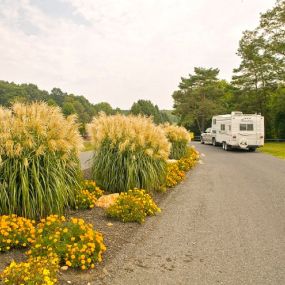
(242, 127)
(222, 127)
(230, 127)
(250, 127)
(214, 122)
(246, 127)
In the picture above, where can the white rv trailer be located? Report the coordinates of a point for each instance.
(238, 130)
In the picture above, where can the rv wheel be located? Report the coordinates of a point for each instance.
(227, 147)
(214, 142)
(202, 141)
(252, 149)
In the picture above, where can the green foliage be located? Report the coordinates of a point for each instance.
(130, 152)
(179, 139)
(178, 149)
(257, 84)
(39, 170)
(199, 97)
(70, 104)
(133, 206)
(118, 171)
(146, 107)
(103, 107)
(262, 69)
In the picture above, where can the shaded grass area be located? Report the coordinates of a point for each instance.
(275, 149)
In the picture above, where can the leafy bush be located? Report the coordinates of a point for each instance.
(36, 271)
(39, 169)
(130, 152)
(174, 174)
(179, 139)
(133, 206)
(74, 242)
(15, 232)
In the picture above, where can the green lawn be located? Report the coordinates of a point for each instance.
(276, 149)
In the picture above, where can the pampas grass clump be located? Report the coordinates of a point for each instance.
(179, 139)
(39, 165)
(130, 152)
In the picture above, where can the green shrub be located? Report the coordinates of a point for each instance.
(179, 139)
(133, 206)
(39, 169)
(130, 152)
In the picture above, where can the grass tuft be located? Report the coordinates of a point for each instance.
(130, 152)
(39, 165)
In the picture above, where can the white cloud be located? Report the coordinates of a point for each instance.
(127, 50)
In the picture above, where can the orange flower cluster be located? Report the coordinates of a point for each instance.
(174, 174)
(16, 232)
(176, 170)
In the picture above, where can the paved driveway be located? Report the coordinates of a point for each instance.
(225, 224)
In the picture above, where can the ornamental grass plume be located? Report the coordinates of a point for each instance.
(39, 164)
(179, 139)
(130, 152)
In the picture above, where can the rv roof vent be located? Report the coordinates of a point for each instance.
(238, 113)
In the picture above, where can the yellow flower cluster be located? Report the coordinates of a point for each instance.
(76, 243)
(189, 160)
(16, 232)
(133, 206)
(176, 170)
(35, 271)
(87, 198)
(35, 129)
(174, 174)
(91, 186)
(129, 133)
(176, 133)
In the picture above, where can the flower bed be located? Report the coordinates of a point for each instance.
(176, 170)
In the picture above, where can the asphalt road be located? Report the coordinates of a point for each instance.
(85, 159)
(225, 224)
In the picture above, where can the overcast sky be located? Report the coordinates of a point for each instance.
(120, 51)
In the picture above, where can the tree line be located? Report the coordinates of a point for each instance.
(71, 104)
(257, 86)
